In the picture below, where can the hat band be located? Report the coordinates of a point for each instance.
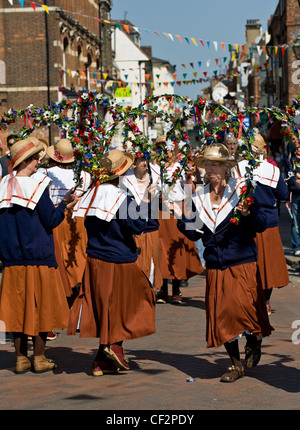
(22, 151)
(61, 157)
(119, 169)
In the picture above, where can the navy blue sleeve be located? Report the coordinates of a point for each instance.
(258, 218)
(188, 226)
(130, 217)
(281, 192)
(49, 215)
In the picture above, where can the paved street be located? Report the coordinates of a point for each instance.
(162, 363)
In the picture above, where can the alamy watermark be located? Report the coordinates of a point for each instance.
(296, 333)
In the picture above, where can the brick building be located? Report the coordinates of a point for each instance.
(284, 27)
(43, 54)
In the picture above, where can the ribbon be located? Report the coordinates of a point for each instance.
(13, 183)
(241, 118)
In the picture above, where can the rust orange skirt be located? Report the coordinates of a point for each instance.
(150, 252)
(116, 302)
(70, 240)
(234, 304)
(32, 300)
(271, 262)
(179, 256)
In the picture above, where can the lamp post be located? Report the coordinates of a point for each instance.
(72, 94)
(296, 46)
(86, 65)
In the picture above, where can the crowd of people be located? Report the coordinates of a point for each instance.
(96, 257)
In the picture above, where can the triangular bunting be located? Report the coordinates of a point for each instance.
(45, 7)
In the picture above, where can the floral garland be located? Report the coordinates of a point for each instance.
(91, 136)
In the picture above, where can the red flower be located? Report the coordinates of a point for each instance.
(244, 188)
(223, 116)
(234, 221)
(250, 200)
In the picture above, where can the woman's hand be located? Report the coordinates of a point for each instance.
(243, 207)
(150, 192)
(71, 198)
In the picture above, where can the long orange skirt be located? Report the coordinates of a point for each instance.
(116, 302)
(150, 254)
(70, 240)
(234, 304)
(32, 300)
(271, 262)
(179, 256)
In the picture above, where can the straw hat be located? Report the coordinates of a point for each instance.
(24, 149)
(259, 142)
(44, 151)
(160, 139)
(62, 151)
(215, 152)
(116, 162)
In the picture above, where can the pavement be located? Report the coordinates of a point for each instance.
(173, 375)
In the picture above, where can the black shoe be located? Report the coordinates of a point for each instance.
(183, 283)
(252, 354)
(161, 296)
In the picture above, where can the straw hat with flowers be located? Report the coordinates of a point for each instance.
(62, 151)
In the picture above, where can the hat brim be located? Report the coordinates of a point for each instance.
(199, 162)
(28, 154)
(51, 153)
(130, 158)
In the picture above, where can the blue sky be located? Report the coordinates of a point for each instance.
(209, 20)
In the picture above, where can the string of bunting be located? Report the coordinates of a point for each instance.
(235, 49)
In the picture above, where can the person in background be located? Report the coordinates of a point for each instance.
(231, 143)
(270, 189)
(234, 302)
(32, 299)
(116, 300)
(70, 236)
(179, 255)
(4, 161)
(292, 204)
(135, 181)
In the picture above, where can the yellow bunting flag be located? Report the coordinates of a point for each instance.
(45, 7)
(193, 40)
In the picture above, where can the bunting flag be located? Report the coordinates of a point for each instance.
(45, 7)
(260, 49)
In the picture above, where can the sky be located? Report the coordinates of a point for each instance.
(161, 21)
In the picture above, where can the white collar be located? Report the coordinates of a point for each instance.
(102, 201)
(22, 190)
(229, 200)
(265, 173)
